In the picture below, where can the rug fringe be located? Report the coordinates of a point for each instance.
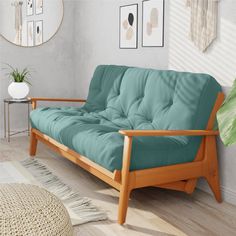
(81, 206)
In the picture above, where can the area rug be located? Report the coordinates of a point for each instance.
(80, 209)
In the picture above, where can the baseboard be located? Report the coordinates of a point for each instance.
(228, 195)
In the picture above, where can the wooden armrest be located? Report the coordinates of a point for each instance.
(34, 100)
(58, 99)
(131, 133)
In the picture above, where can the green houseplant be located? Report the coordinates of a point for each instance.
(226, 118)
(18, 88)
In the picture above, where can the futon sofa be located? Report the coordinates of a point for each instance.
(138, 127)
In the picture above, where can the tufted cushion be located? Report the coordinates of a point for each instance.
(101, 84)
(134, 98)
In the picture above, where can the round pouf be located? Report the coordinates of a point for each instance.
(31, 210)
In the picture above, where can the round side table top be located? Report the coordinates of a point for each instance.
(12, 100)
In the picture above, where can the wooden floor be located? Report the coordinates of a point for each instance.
(152, 211)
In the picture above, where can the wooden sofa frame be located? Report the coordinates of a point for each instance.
(182, 177)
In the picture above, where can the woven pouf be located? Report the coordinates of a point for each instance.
(30, 210)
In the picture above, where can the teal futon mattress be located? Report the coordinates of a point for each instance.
(123, 97)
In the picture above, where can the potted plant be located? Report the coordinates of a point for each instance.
(18, 88)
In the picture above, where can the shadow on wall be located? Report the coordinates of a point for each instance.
(219, 60)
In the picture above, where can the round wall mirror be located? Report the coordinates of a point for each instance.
(30, 23)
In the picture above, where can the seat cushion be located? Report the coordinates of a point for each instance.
(98, 139)
(134, 98)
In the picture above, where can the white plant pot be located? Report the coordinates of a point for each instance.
(18, 90)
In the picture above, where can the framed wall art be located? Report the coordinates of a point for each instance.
(30, 33)
(153, 23)
(129, 26)
(38, 32)
(38, 7)
(30, 7)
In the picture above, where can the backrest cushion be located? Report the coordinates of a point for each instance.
(136, 98)
(101, 84)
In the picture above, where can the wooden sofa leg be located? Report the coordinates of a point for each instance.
(33, 144)
(123, 206)
(212, 173)
(214, 184)
(125, 181)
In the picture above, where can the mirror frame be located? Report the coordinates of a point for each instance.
(63, 14)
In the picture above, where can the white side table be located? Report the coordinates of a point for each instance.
(7, 128)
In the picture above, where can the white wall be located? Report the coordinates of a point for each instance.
(53, 63)
(97, 41)
(219, 61)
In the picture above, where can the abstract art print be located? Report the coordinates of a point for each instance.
(153, 23)
(30, 33)
(29, 7)
(38, 32)
(38, 7)
(129, 26)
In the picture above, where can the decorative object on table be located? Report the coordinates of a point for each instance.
(31, 210)
(129, 26)
(203, 25)
(30, 33)
(18, 89)
(226, 118)
(80, 209)
(30, 8)
(7, 128)
(38, 7)
(38, 32)
(153, 23)
(14, 27)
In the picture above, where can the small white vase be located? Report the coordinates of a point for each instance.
(18, 90)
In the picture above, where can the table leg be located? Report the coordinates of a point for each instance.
(8, 122)
(5, 125)
(28, 119)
